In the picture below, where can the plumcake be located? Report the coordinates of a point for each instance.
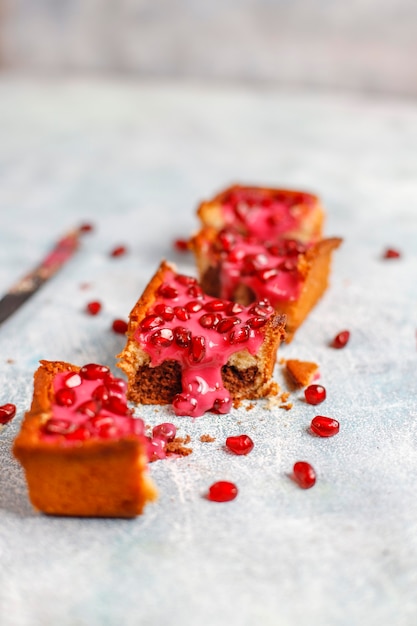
(264, 213)
(198, 352)
(83, 452)
(291, 274)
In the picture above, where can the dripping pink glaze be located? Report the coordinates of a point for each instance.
(121, 425)
(202, 384)
(247, 260)
(266, 214)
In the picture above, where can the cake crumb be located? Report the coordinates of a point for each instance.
(10, 361)
(250, 406)
(207, 438)
(302, 373)
(177, 446)
(286, 406)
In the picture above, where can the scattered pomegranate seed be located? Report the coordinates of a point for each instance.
(93, 307)
(194, 306)
(79, 434)
(241, 444)
(222, 491)
(304, 474)
(227, 324)
(7, 412)
(117, 388)
(86, 228)
(257, 322)
(233, 308)
(65, 396)
(390, 253)
(89, 408)
(72, 380)
(181, 313)
(56, 426)
(197, 349)
(314, 394)
(324, 426)
(195, 291)
(156, 448)
(118, 405)
(184, 404)
(182, 336)
(165, 311)
(93, 371)
(209, 320)
(166, 291)
(215, 305)
(222, 405)
(185, 280)
(341, 339)
(267, 274)
(101, 393)
(118, 251)
(162, 338)
(119, 327)
(181, 245)
(103, 425)
(150, 322)
(240, 335)
(166, 431)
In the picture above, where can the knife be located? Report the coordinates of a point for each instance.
(21, 291)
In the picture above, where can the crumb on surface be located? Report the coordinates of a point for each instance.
(301, 373)
(250, 406)
(177, 446)
(10, 361)
(207, 438)
(286, 406)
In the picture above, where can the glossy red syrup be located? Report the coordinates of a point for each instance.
(304, 475)
(7, 413)
(341, 339)
(222, 491)
(201, 333)
(241, 444)
(315, 394)
(324, 426)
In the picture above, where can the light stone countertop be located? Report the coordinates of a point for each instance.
(135, 159)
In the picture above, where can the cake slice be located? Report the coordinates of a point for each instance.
(265, 213)
(198, 352)
(291, 274)
(83, 452)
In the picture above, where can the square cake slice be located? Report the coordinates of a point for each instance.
(265, 213)
(83, 452)
(198, 352)
(291, 274)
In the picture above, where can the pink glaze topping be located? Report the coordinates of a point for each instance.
(201, 333)
(89, 404)
(265, 213)
(269, 270)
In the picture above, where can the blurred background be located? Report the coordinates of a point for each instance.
(366, 45)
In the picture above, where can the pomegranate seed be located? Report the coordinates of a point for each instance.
(118, 251)
(267, 274)
(116, 389)
(79, 434)
(215, 305)
(86, 228)
(156, 448)
(92, 371)
(184, 404)
(103, 425)
(182, 337)
(89, 408)
(112, 381)
(181, 313)
(56, 426)
(194, 306)
(197, 349)
(341, 339)
(257, 322)
(150, 322)
(227, 240)
(7, 412)
(65, 397)
(162, 338)
(181, 245)
(240, 335)
(167, 291)
(119, 327)
(314, 394)
(165, 431)
(294, 248)
(233, 308)
(390, 253)
(72, 380)
(241, 444)
(227, 324)
(222, 405)
(288, 266)
(165, 311)
(93, 308)
(304, 474)
(101, 393)
(184, 280)
(118, 405)
(209, 320)
(222, 491)
(195, 291)
(263, 307)
(324, 426)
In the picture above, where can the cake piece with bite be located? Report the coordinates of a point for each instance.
(198, 352)
(83, 452)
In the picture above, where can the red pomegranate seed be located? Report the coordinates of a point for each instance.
(72, 380)
(234, 308)
(227, 324)
(103, 425)
(267, 274)
(118, 405)
(197, 349)
(162, 338)
(215, 305)
(314, 394)
(222, 491)
(166, 431)
(92, 371)
(227, 240)
(182, 337)
(181, 313)
(116, 389)
(194, 306)
(304, 474)
(184, 404)
(7, 412)
(239, 335)
(209, 320)
(341, 339)
(79, 434)
(118, 251)
(185, 280)
(167, 291)
(181, 245)
(390, 253)
(241, 444)
(101, 393)
(165, 311)
(89, 408)
(263, 307)
(93, 308)
(288, 265)
(65, 397)
(56, 426)
(195, 291)
(324, 426)
(119, 327)
(150, 322)
(256, 322)
(86, 228)
(222, 405)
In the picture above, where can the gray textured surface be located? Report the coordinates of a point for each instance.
(136, 160)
